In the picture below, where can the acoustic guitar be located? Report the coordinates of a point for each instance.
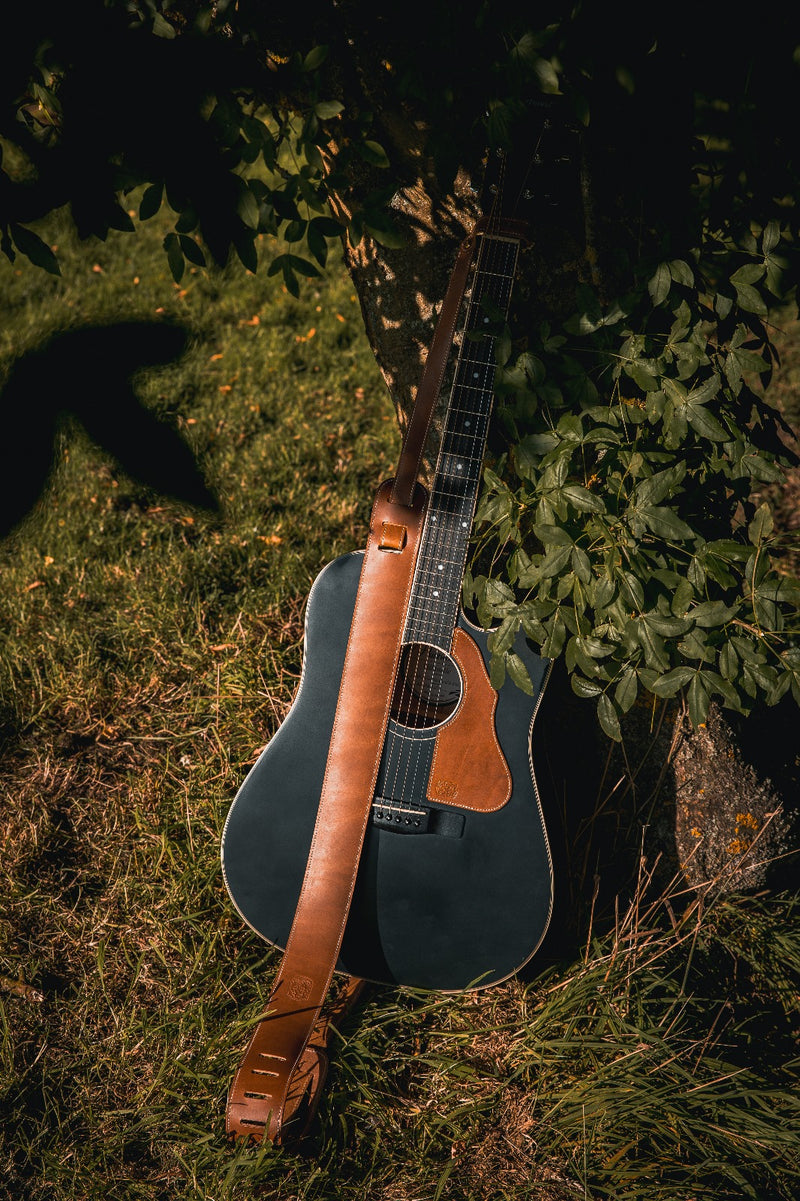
(454, 884)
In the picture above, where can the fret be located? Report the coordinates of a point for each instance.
(456, 464)
(495, 274)
(478, 376)
(436, 591)
(453, 462)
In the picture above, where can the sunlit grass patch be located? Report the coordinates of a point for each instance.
(148, 651)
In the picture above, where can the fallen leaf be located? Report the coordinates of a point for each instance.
(21, 989)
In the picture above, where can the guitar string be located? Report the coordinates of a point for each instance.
(400, 741)
(448, 620)
(409, 685)
(424, 618)
(457, 505)
(440, 537)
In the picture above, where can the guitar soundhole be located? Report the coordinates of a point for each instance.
(428, 687)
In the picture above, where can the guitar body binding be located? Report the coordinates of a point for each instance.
(447, 897)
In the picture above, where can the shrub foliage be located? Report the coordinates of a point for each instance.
(627, 523)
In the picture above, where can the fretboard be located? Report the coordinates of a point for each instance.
(436, 591)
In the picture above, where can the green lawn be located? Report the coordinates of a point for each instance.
(149, 650)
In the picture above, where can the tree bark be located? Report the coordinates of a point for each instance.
(710, 815)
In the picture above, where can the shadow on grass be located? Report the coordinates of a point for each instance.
(89, 374)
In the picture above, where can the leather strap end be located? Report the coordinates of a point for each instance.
(284, 1117)
(263, 1101)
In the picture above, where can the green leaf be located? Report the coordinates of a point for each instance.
(750, 300)
(162, 27)
(659, 285)
(581, 565)
(668, 627)
(502, 638)
(607, 714)
(192, 251)
(387, 235)
(151, 201)
(328, 108)
(695, 646)
(582, 499)
(699, 700)
(666, 523)
(682, 598)
(750, 360)
(583, 687)
(374, 153)
(762, 524)
(761, 468)
(705, 391)
(653, 489)
(497, 592)
(710, 614)
(770, 237)
(682, 273)
(646, 380)
(302, 265)
(750, 273)
(315, 58)
(533, 367)
(626, 690)
(546, 75)
(552, 535)
(295, 231)
(174, 256)
(556, 633)
(497, 671)
(518, 672)
(653, 646)
(317, 244)
(728, 661)
(32, 246)
(722, 305)
(247, 207)
(673, 681)
(502, 347)
(554, 561)
(632, 590)
(706, 424)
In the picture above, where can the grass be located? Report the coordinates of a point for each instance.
(149, 649)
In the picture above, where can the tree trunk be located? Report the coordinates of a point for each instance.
(708, 814)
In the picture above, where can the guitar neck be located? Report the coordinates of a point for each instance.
(436, 591)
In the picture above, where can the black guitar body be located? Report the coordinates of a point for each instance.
(445, 898)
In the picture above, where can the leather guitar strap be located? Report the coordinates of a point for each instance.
(281, 1074)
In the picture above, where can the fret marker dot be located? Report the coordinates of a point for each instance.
(441, 567)
(435, 593)
(486, 321)
(458, 466)
(464, 524)
(474, 375)
(467, 424)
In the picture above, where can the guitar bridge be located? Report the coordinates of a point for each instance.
(406, 817)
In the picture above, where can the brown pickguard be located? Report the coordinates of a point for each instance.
(469, 769)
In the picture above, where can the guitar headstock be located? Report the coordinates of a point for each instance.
(521, 176)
